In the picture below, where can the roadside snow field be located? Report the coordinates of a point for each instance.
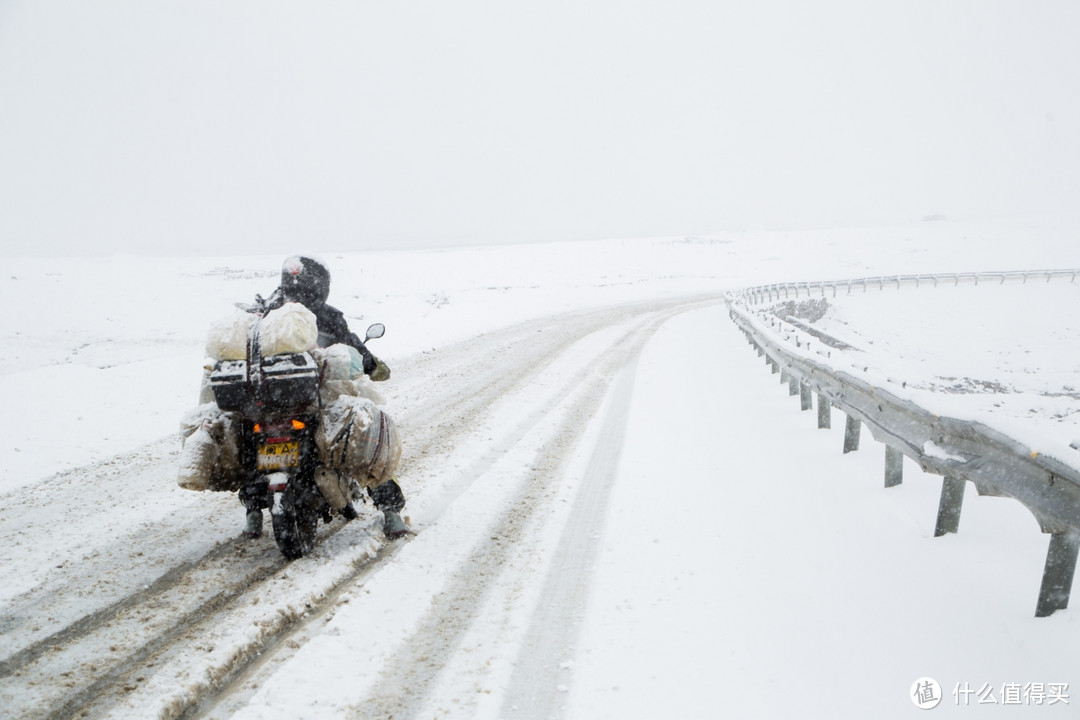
(750, 569)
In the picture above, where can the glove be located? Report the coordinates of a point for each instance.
(381, 371)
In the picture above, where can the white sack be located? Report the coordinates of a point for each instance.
(339, 488)
(335, 362)
(292, 328)
(228, 337)
(197, 460)
(210, 456)
(338, 370)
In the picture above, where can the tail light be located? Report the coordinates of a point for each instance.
(279, 432)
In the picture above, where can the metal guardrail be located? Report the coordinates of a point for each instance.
(793, 291)
(958, 450)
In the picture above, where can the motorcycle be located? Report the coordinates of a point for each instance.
(276, 401)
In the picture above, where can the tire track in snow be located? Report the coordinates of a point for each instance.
(404, 682)
(236, 683)
(408, 678)
(542, 671)
(84, 626)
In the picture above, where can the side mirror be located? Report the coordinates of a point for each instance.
(375, 331)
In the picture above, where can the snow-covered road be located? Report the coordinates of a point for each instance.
(151, 615)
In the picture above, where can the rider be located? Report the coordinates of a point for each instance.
(306, 280)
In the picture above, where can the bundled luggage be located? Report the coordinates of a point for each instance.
(272, 363)
(210, 458)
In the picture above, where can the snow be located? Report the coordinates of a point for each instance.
(931, 449)
(778, 574)
(645, 528)
(998, 352)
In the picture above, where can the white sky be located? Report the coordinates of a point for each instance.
(203, 126)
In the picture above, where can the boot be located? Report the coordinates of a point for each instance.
(253, 526)
(349, 512)
(393, 526)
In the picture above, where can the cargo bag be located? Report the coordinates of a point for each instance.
(210, 456)
(358, 446)
(264, 362)
(289, 329)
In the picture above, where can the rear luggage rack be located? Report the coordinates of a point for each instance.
(277, 382)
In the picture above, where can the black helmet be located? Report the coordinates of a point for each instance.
(305, 280)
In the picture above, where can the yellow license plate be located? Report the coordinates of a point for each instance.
(278, 456)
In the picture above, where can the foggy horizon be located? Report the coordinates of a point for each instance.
(244, 127)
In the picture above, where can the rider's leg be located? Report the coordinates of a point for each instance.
(253, 498)
(389, 498)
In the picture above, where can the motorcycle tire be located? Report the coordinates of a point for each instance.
(294, 527)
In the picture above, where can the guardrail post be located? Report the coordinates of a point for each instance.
(851, 434)
(806, 398)
(1058, 575)
(952, 500)
(894, 467)
(793, 385)
(824, 412)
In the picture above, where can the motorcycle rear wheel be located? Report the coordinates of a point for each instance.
(294, 527)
